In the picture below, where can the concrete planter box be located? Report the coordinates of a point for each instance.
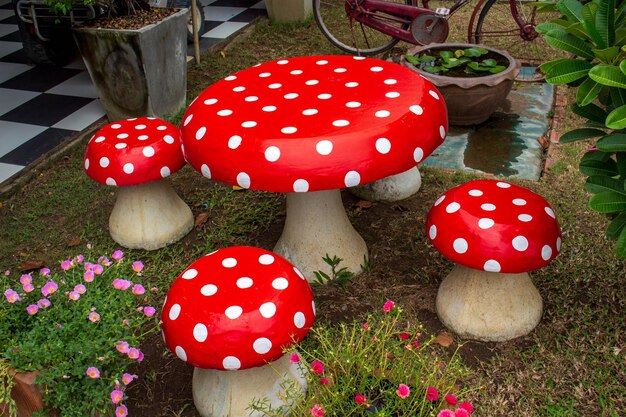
(138, 72)
(288, 10)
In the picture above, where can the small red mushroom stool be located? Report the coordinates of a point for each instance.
(495, 232)
(232, 314)
(309, 126)
(137, 155)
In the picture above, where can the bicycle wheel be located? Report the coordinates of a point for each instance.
(349, 35)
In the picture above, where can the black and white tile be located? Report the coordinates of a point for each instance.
(42, 107)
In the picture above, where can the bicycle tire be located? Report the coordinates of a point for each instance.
(348, 35)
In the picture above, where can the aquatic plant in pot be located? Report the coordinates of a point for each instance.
(474, 80)
(75, 334)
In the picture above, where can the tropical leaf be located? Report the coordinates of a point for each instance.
(593, 167)
(608, 202)
(617, 120)
(621, 244)
(571, 9)
(606, 55)
(591, 112)
(580, 134)
(616, 226)
(620, 36)
(605, 21)
(567, 71)
(618, 96)
(622, 66)
(620, 160)
(608, 75)
(587, 92)
(546, 66)
(601, 183)
(545, 27)
(588, 13)
(569, 43)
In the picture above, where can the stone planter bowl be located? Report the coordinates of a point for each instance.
(471, 100)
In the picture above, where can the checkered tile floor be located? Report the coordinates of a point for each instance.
(42, 107)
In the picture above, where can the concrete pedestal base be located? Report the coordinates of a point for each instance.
(285, 11)
(390, 189)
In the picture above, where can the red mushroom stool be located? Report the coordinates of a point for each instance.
(232, 314)
(495, 232)
(309, 126)
(137, 155)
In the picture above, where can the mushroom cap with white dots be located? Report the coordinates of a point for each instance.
(134, 151)
(313, 123)
(494, 226)
(237, 308)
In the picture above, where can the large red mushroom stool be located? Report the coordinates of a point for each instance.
(137, 155)
(231, 315)
(309, 126)
(495, 232)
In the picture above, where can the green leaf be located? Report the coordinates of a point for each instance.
(567, 70)
(446, 55)
(587, 92)
(477, 67)
(621, 244)
(620, 36)
(601, 183)
(571, 9)
(489, 62)
(617, 120)
(588, 13)
(608, 75)
(594, 167)
(545, 27)
(606, 55)
(580, 134)
(472, 52)
(591, 112)
(569, 43)
(605, 21)
(546, 66)
(616, 226)
(413, 59)
(618, 96)
(433, 70)
(612, 143)
(497, 69)
(608, 202)
(620, 158)
(622, 66)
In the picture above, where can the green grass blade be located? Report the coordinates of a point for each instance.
(567, 71)
(608, 202)
(569, 43)
(608, 75)
(601, 183)
(587, 92)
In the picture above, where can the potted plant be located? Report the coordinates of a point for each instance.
(474, 80)
(69, 338)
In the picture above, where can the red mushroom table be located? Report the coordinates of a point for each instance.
(309, 126)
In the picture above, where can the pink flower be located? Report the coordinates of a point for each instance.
(121, 284)
(360, 399)
(154, 289)
(26, 279)
(445, 413)
(74, 296)
(403, 391)
(134, 353)
(88, 276)
(121, 411)
(93, 372)
(49, 288)
(294, 358)
(32, 309)
(88, 266)
(149, 311)
(403, 336)
(461, 412)
(126, 322)
(80, 288)
(117, 255)
(431, 394)
(117, 396)
(137, 266)
(44, 271)
(7, 273)
(388, 306)
(103, 260)
(366, 326)
(66, 264)
(28, 287)
(451, 399)
(88, 245)
(317, 367)
(12, 296)
(43, 303)
(324, 381)
(98, 269)
(79, 259)
(94, 317)
(128, 378)
(374, 339)
(467, 406)
(138, 289)
(318, 410)
(122, 347)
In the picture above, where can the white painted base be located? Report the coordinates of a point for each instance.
(317, 225)
(488, 306)
(390, 189)
(230, 393)
(149, 216)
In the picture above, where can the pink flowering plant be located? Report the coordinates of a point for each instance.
(383, 366)
(80, 326)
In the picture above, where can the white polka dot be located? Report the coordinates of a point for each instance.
(492, 266)
(231, 363)
(432, 232)
(148, 151)
(128, 168)
(224, 112)
(159, 127)
(475, 193)
(382, 113)
(289, 130)
(206, 171)
(324, 96)
(272, 154)
(301, 186)
(358, 58)
(503, 184)
(243, 180)
(376, 69)
(418, 154)
(180, 352)
(297, 271)
(353, 104)
(116, 126)
(233, 312)
(234, 142)
(442, 132)
(250, 99)
(324, 147)
(267, 310)
(140, 127)
(299, 320)
(174, 312)
(546, 252)
(200, 332)
(99, 139)
(190, 274)
(312, 82)
(120, 145)
(200, 132)
(282, 62)
(392, 94)
(143, 137)
(453, 207)
(341, 123)
(352, 84)
(122, 136)
(229, 262)
(439, 200)
(525, 217)
(86, 163)
(264, 74)
(262, 345)
(239, 89)
(309, 112)
(290, 96)
(485, 223)
(104, 162)
(390, 81)
(296, 72)
(352, 179)
(248, 123)
(313, 307)
(188, 119)
(558, 244)
(110, 181)
(417, 109)
(230, 78)
(340, 70)
(460, 245)
(550, 212)
(488, 207)
(168, 139)
(208, 290)
(210, 101)
(266, 259)
(244, 282)
(274, 86)
(280, 283)
(269, 109)
(322, 62)
(520, 243)
(519, 202)
(383, 145)
(434, 94)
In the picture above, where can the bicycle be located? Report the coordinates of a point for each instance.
(371, 27)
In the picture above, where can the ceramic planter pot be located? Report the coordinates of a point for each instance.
(139, 72)
(470, 101)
